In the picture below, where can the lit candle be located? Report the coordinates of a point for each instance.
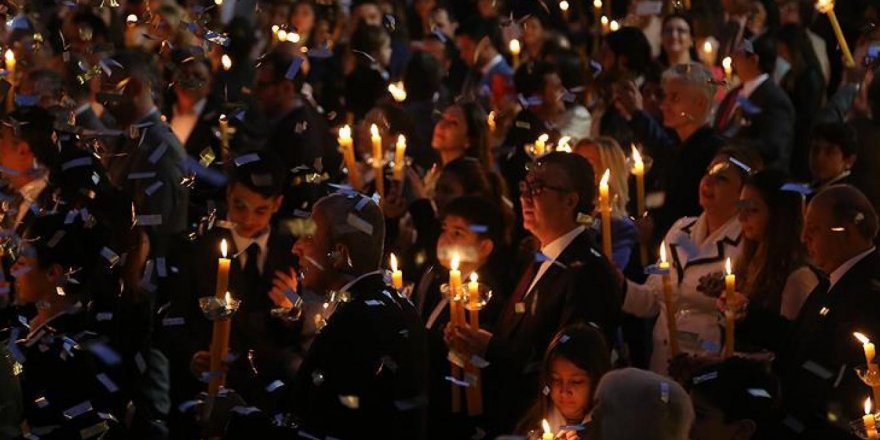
(708, 53)
(282, 35)
(869, 420)
(396, 275)
(378, 159)
(475, 391)
(397, 91)
(226, 62)
(293, 37)
(548, 434)
(456, 318)
(671, 324)
(541, 144)
(222, 271)
(597, 8)
(563, 6)
(473, 288)
(222, 327)
(614, 26)
(564, 145)
(515, 49)
(827, 7)
(399, 157)
(490, 121)
(730, 291)
(10, 76)
(454, 278)
(639, 171)
(605, 211)
(868, 346)
(347, 145)
(275, 30)
(604, 22)
(223, 123)
(727, 63)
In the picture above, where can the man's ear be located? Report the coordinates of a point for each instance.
(485, 248)
(745, 429)
(276, 203)
(850, 161)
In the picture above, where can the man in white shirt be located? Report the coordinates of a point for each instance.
(816, 366)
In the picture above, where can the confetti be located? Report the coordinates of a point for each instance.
(107, 382)
(149, 220)
(351, 402)
(246, 159)
(78, 410)
(359, 224)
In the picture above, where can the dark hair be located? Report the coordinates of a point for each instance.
(631, 43)
(663, 59)
(369, 39)
(584, 346)
(874, 96)
(34, 126)
(480, 211)
(476, 29)
(838, 134)
(477, 133)
(765, 49)
(571, 68)
(795, 37)
(767, 265)
(423, 77)
(529, 78)
(278, 61)
(579, 174)
(741, 389)
(264, 176)
(139, 65)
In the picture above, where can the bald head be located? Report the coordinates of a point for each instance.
(358, 224)
(840, 224)
(849, 209)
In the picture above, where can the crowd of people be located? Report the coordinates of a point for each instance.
(429, 219)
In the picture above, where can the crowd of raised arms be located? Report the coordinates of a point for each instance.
(439, 219)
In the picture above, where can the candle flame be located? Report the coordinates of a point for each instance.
(228, 299)
(393, 262)
(282, 35)
(825, 6)
(401, 140)
(514, 47)
(663, 252)
(707, 46)
(454, 262)
(546, 425)
(226, 61)
(727, 63)
(275, 28)
(397, 91)
(868, 406)
(473, 277)
(293, 37)
(563, 5)
(10, 55)
(491, 118)
(862, 338)
(544, 138)
(604, 20)
(597, 4)
(605, 177)
(223, 247)
(564, 144)
(374, 131)
(636, 156)
(345, 132)
(222, 119)
(614, 26)
(727, 266)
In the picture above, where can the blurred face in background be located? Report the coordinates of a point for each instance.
(450, 132)
(827, 160)
(303, 18)
(753, 214)
(193, 80)
(682, 104)
(720, 187)
(676, 37)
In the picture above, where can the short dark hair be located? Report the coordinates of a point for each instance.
(259, 171)
(423, 76)
(138, 65)
(278, 61)
(479, 211)
(368, 38)
(741, 389)
(631, 43)
(529, 79)
(765, 48)
(579, 175)
(35, 125)
(838, 134)
(584, 346)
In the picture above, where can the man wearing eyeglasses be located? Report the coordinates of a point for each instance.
(568, 281)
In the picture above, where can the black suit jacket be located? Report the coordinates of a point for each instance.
(365, 374)
(253, 328)
(817, 364)
(769, 127)
(578, 287)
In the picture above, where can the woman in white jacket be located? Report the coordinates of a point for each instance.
(698, 248)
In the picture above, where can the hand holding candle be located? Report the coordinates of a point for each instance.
(872, 369)
(729, 314)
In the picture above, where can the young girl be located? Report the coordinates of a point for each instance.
(575, 361)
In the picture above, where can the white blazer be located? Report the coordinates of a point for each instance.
(693, 254)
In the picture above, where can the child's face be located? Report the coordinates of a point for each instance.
(570, 389)
(827, 160)
(458, 236)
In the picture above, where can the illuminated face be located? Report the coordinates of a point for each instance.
(545, 198)
(720, 187)
(824, 243)
(676, 37)
(450, 132)
(827, 160)
(569, 389)
(458, 236)
(15, 155)
(250, 211)
(32, 283)
(467, 49)
(753, 214)
(681, 105)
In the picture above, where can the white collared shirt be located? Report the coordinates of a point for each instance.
(749, 87)
(552, 251)
(29, 193)
(182, 124)
(845, 267)
(242, 243)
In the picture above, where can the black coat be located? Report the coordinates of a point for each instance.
(366, 371)
(579, 287)
(816, 366)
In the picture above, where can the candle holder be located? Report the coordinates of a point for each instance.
(290, 314)
(484, 294)
(870, 376)
(460, 295)
(218, 308)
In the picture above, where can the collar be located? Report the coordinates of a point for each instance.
(196, 109)
(846, 266)
(699, 231)
(555, 248)
(351, 283)
(750, 86)
(31, 190)
(497, 59)
(242, 243)
(836, 178)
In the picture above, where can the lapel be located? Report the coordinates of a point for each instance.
(686, 252)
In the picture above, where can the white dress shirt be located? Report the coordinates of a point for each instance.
(552, 251)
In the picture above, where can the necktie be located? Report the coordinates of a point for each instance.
(520, 292)
(251, 266)
(726, 110)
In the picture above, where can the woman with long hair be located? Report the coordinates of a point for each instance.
(773, 275)
(677, 45)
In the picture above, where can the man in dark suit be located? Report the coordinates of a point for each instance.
(569, 281)
(366, 370)
(821, 389)
(262, 264)
(758, 112)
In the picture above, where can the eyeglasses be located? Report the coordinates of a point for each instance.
(536, 188)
